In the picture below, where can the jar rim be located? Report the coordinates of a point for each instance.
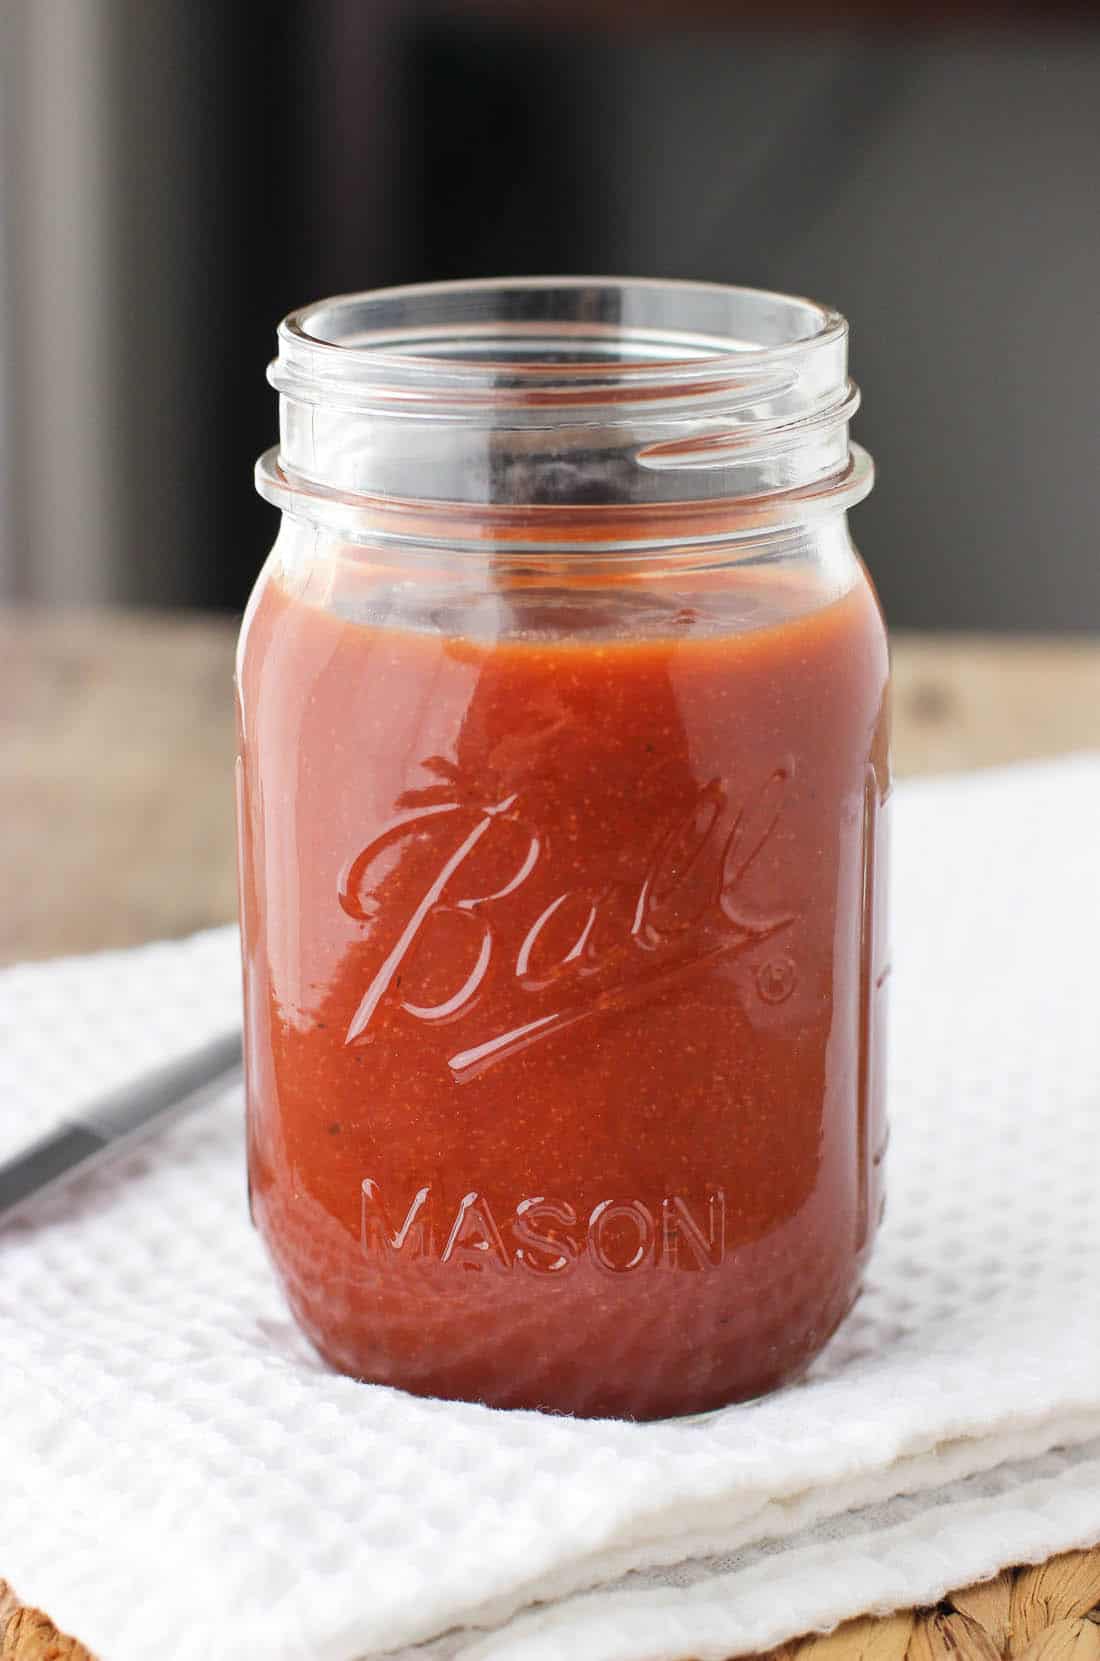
(562, 394)
(499, 342)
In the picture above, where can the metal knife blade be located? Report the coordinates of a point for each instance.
(112, 1124)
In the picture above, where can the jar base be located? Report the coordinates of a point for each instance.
(686, 1385)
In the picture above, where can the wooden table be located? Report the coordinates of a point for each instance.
(116, 752)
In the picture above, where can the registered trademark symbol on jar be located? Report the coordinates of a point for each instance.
(775, 980)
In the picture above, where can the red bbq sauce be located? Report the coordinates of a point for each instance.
(563, 969)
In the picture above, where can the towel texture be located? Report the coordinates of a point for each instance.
(181, 1478)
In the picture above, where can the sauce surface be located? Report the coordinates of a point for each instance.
(564, 960)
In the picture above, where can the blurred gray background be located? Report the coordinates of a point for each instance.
(174, 177)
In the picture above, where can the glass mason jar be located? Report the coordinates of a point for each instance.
(563, 758)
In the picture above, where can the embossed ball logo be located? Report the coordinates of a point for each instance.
(622, 942)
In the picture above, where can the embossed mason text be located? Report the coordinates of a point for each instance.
(542, 1235)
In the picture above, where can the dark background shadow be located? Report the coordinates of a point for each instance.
(931, 171)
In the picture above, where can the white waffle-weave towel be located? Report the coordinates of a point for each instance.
(181, 1479)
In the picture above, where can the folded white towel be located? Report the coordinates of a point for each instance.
(180, 1478)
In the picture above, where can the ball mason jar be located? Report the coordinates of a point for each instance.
(563, 702)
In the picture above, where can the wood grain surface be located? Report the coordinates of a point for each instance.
(116, 756)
